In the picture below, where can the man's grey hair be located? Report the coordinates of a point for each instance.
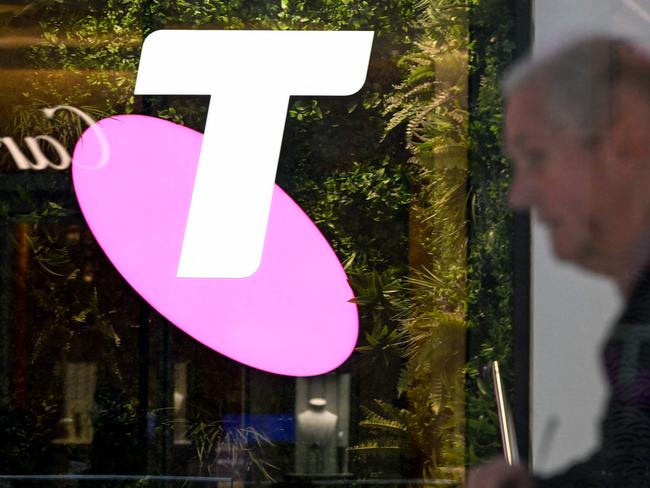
(579, 82)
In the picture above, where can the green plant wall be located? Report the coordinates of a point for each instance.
(490, 281)
(460, 283)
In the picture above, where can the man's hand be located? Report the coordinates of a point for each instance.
(498, 474)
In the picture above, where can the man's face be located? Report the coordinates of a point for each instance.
(554, 174)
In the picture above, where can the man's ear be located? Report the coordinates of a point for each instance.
(627, 143)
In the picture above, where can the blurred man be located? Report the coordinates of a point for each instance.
(578, 130)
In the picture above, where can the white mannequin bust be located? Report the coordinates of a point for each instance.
(316, 440)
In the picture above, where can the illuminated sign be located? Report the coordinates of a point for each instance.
(195, 222)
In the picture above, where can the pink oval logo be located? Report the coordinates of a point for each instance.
(291, 317)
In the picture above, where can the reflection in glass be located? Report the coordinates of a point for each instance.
(78, 393)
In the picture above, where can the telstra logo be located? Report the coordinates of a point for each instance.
(195, 223)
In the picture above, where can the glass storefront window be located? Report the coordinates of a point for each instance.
(404, 179)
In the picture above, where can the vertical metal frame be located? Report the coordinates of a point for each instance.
(521, 258)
